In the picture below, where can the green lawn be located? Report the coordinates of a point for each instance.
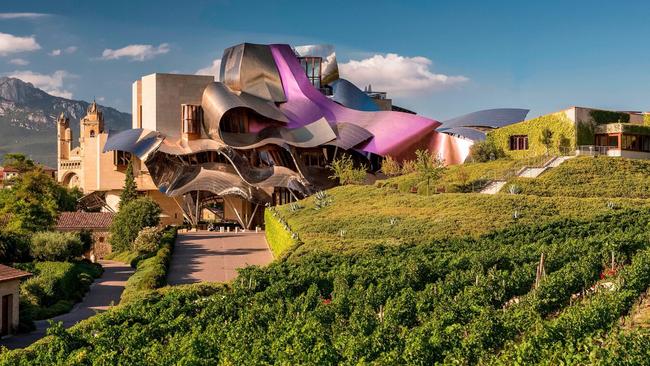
(591, 177)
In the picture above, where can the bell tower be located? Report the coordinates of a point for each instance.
(92, 124)
(64, 136)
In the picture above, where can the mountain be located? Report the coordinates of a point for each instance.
(28, 119)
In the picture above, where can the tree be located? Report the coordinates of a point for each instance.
(344, 170)
(487, 150)
(32, 203)
(20, 162)
(429, 167)
(130, 190)
(56, 246)
(130, 220)
(547, 138)
(147, 241)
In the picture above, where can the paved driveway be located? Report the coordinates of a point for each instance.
(215, 257)
(103, 293)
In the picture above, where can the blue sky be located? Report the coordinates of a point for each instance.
(441, 59)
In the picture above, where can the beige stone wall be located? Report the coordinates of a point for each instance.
(136, 102)
(11, 287)
(162, 96)
(171, 212)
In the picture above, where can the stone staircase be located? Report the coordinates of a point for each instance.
(526, 172)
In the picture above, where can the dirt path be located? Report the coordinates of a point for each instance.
(215, 257)
(104, 292)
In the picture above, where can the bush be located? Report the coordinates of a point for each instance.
(151, 273)
(133, 217)
(55, 287)
(14, 247)
(343, 169)
(148, 240)
(487, 150)
(56, 246)
(390, 167)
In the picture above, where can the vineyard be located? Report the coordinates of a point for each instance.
(374, 275)
(464, 300)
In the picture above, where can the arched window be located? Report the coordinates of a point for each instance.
(92, 133)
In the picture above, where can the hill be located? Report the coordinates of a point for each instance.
(28, 119)
(377, 275)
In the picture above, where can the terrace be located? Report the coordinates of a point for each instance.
(629, 140)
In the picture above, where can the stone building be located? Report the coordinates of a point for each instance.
(100, 175)
(9, 298)
(97, 223)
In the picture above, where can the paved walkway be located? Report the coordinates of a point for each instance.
(215, 257)
(104, 292)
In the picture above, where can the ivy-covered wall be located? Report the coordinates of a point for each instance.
(564, 135)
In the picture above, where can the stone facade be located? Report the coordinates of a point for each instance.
(9, 298)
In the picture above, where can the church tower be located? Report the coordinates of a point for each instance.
(92, 124)
(64, 136)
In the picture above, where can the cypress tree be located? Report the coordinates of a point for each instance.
(129, 192)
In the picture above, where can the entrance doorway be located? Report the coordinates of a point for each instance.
(7, 302)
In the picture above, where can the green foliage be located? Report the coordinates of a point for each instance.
(19, 161)
(55, 287)
(558, 123)
(604, 117)
(56, 246)
(344, 170)
(441, 302)
(390, 167)
(133, 217)
(151, 273)
(646, 119)
(279, 238)
(130, 189)
(592, 177)
(13, 247)
(487, 150)
(147, 241)
(429, 167)
(546, 138)
(409, 166)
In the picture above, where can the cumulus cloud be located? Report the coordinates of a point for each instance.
(398, 75)
(4, 16)
(71, 49)
(135, 52)
(56, 52)
(213, 69)
(14, 44)
(52, 83)
(19, 61)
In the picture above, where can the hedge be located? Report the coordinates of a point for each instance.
(150, 273)
(280, 239)
(55, 288)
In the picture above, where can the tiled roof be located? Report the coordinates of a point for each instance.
(8, 273)
(84, 220)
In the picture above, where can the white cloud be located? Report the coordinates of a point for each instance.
(213, 69)
(101, 99)
(59, 52)
(398, 75)
(19, 61)
(135, 52)
(14, 44)
(52, 84)
(4, 16)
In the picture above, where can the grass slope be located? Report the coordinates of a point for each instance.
(591, 177)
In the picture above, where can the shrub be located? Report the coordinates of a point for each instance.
(390, 167)
(343, 169)
(148, 240)
(487, 150)
(14, 247)
(56, 246)
(133, 217)
(409, 166)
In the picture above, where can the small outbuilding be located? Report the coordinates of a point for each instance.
(98, 223)
(9, 296)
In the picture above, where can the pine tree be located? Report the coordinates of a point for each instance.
(129, 192)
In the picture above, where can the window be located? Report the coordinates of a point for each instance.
(121, 158)
(92, 133)
(281, 196)
(192, 118)
(236, 121)
(312, 67)
(519, 142)
(313, 158)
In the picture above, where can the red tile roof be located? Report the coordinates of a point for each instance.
(8, 273)
(84, 220)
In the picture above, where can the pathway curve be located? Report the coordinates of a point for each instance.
(104, 292)
(215, 257)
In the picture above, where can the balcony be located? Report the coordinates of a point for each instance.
(69, 164)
